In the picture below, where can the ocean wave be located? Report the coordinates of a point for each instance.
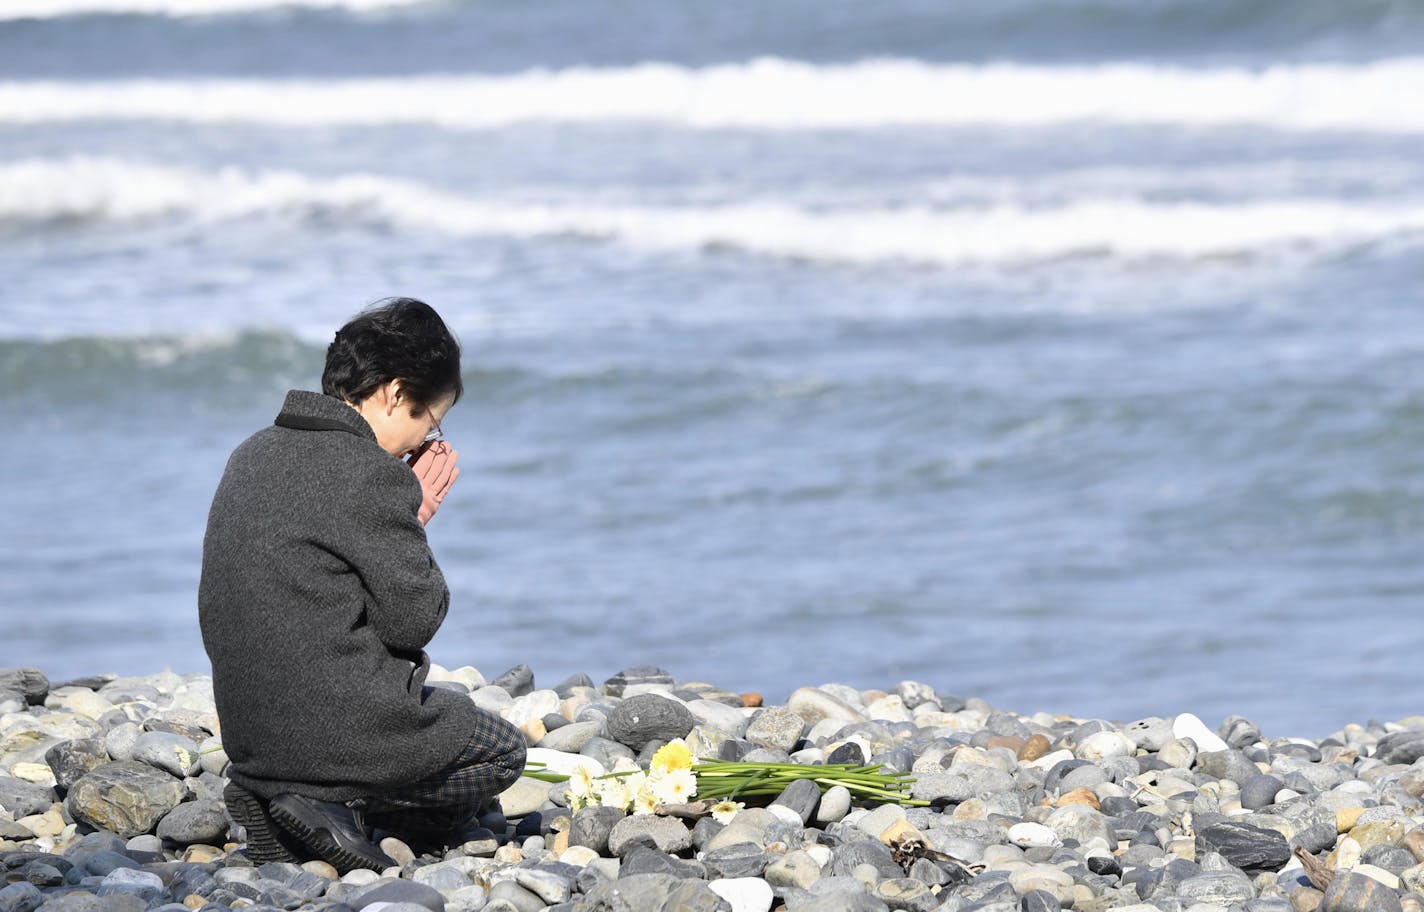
(101, 191)
(85, 368)
(773, 94)
(13, 10)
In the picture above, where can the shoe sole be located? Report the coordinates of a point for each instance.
(264, 840)
(320, 840)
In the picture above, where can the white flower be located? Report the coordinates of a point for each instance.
(724, 810)
(645, 797)
(580, 790)
(675, 786)
(613, 791)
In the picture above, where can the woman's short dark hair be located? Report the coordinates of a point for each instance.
(394, 339)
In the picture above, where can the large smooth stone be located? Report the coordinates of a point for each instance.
(126, 797)
(1252, 849)
(648, 717)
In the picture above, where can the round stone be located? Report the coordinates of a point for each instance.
(641, 719)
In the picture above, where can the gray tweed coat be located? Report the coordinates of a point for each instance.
(318, 595)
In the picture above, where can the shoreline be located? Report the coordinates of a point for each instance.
(110, 790)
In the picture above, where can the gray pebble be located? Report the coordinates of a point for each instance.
(572, 737)
(22, 798)
(667, 833)
(69, 760)
(641, 674)
(775, 728)
(174, 754)
(741, 859)
(516, 682)
(592, 826)
(195, 822)
(516, 896)
(641, 719)
(27, 681)
(834, 805)
(402, 891)
(1260, 790)
(802, 796)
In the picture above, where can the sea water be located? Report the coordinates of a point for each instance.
(1065, 353)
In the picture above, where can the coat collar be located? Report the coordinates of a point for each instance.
(308, 411)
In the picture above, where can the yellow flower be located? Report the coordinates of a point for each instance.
(724, 810)
(673, 755)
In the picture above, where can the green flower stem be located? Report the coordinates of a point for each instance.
(719, 779)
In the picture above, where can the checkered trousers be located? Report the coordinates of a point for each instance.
(431, 809)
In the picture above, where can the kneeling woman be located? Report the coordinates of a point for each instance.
(318, 596)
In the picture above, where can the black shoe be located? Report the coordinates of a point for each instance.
(265, 840)
(333, 831)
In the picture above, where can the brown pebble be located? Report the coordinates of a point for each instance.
(321, 869)
(1346, 818)
(1035, 747)
(1011, 742)
(201, 854)
(194, 901)
(1081, 796)
(1414, 842)
(751, 699)
(1306, 899)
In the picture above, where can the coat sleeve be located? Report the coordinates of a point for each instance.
(407, 598)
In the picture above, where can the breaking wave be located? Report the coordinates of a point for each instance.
(773, 94)
(97, 191)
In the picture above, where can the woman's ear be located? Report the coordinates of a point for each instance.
(395, 396)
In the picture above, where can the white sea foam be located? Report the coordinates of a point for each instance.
(54, 9)
(102, 190)
(773, 94)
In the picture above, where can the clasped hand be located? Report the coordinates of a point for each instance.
(434, 465)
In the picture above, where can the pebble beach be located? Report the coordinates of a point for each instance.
(110, 799)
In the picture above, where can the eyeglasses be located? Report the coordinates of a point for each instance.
(435, 433)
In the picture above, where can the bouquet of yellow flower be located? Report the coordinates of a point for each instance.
(675, 777)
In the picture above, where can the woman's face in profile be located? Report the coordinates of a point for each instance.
(401, 428)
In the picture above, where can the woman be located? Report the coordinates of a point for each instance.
(318, 595)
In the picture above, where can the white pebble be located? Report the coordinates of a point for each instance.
(745, 894)
(1105, 744)
(1032, 835)
(1189, 726)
